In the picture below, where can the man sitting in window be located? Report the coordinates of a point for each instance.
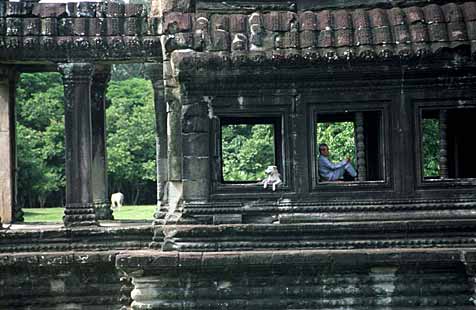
(328, 171)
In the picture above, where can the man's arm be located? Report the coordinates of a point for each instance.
(330, 165)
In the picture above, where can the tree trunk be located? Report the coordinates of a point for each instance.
(136, 196)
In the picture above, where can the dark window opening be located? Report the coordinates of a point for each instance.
(360, 139)
(248, 146)
(447, 142)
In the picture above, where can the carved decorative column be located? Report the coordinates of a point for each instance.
(102, 206)
(78, 147)
(155, 72)
(443, 144)
(360, 146)
(7, 147)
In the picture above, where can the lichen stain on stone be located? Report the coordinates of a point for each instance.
(57, 286)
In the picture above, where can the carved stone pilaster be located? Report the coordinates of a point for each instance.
(102, 206)
(155, 73)
(78, 147)
(360, 146)
(8, 206)
(443, 144)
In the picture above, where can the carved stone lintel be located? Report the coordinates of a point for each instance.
(78, 147)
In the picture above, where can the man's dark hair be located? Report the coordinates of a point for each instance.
(322, 146)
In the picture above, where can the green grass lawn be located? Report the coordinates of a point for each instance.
(56, 214)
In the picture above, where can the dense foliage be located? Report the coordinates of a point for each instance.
(40, 140)
(431, 146)
(246, 151)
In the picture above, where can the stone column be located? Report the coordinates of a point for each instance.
(78, 147)
(360, 146)
(443, 144)
(102, 206)
(7, 143)
(155, 73)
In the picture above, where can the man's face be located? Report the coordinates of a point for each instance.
(325, 151)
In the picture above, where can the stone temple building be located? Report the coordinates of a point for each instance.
(394, 238)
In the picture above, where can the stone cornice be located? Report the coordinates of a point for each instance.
(85, 31)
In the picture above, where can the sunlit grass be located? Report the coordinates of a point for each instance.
(55, 215)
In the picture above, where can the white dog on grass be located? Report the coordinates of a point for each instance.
(117, 199)
(272, 177)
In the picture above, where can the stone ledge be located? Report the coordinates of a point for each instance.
(151, 261)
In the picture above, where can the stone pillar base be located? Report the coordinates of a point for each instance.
(103, 211)
(79, 214)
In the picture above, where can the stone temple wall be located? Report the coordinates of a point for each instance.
(398, 241)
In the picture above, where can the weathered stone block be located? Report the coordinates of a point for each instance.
(196, 168)
(14, 26)
(80, 26)
(196, 144)
(227, 219)
(133, 26)
(196, 189)
(115, 26)
(161, 7)
(195, 124)
(114, 9)
(177, 22)
(238, 23)
(3, 9)
(220, 41)
(49, 26)
(134, 10)
(3, 26)
(31, 26)
(65, 27)
(97, 27)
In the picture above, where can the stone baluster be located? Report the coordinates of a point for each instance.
(360, 146)
(102, 206)
(443, 144)
(77, 79)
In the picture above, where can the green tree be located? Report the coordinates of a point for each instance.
(431, 147)
(131, 139)
(40, 140)
(246, 151)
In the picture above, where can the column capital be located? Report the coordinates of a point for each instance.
(76, 71)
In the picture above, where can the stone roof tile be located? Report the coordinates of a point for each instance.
(308, 21)
(469, 11)
(378, 18)
(342, 19)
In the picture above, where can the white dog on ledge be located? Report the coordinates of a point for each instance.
(273, 177)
